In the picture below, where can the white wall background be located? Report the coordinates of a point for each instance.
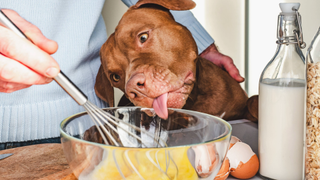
(227, 23)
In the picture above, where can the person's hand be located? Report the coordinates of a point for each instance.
(24, 63)
(223, 61)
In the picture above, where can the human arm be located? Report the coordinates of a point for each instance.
(23, 63)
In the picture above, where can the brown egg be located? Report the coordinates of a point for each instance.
(247, 170)
(244, 163)
(224, 170)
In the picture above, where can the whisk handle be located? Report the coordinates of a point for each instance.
(61, 78)
(71, 88)
(4, 20)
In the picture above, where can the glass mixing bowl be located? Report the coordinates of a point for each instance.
(193, 146)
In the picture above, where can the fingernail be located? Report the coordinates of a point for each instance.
(52, 72)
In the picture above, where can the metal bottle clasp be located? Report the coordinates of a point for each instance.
(300, 41)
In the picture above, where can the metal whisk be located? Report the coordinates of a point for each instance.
(98, 116)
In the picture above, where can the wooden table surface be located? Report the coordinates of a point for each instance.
(42, 161)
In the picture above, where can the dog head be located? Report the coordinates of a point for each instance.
(150, 57)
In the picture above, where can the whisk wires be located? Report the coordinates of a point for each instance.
(102, 118)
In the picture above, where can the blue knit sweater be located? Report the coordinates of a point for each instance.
(78, 27)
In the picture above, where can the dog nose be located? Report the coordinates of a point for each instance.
(136, 85)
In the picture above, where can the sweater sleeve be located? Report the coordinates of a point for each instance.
(186, 18)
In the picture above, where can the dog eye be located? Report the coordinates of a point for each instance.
(143, 37)
(115, 77)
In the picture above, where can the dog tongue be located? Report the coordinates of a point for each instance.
(160, 106)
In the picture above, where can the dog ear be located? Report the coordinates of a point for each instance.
(103, 88)
(169, 4)
(252, 108)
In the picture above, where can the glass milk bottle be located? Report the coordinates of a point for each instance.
(312, 166)
(282, 101)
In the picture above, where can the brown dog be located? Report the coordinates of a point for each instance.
(154, 61)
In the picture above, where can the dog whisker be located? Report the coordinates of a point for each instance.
(189, 97)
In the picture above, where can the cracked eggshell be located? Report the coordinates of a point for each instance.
(244, 163)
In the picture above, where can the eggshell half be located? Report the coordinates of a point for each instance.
(244, 163)
(224, 170)
(247, 170)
